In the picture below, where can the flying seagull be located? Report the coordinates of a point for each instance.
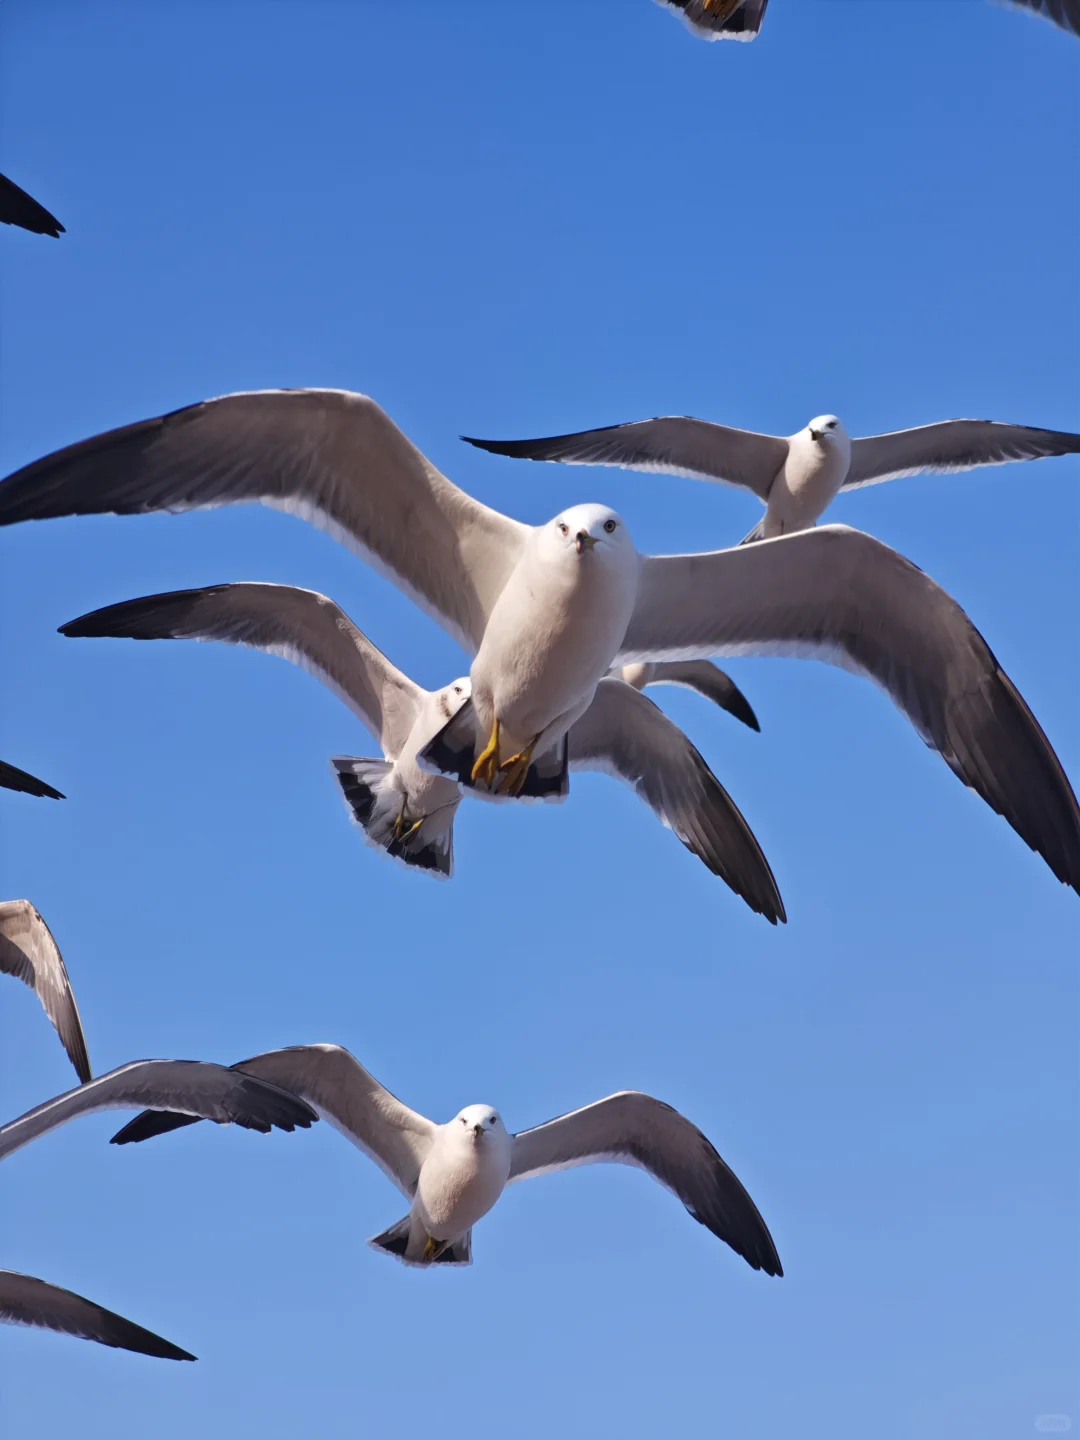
(192, 1087)
(720, 19)
(29, 952)
(741, 19)
(796, 477)
(453, 1174)
(549, 609)
(19, 208)
(408, 811)
(11, 778)
(25, 1300)
(1065, 13)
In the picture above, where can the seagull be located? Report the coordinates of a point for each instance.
(29, 952)
(1065, 13)
(408, 811)
(720, 19)
(25, 1300)
(796, 477)
(192, 1087)
(453, 1174)
(741, 19)
(547, 610)
(12, 778)
(19, 208)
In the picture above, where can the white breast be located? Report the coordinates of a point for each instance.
(460, 1181)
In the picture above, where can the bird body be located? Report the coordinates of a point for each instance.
(463, 1175)
(554, 630)
(809, 479)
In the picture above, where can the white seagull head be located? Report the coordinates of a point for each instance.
(587, 530)
(450, 699)
(828, 431)
(479, 1125)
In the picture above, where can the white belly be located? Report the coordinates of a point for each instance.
(550, 640)
(804, 490)
(451, 1198)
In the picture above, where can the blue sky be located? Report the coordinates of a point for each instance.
(512, 220)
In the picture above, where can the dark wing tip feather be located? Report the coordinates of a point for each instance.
(151, 1123)
(738, 706)
(12, 778)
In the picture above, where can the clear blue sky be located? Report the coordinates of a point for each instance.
(513, 219)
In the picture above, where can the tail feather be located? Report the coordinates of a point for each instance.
(429, 848)
(395, 1241)
(452, 752)
(757, 533)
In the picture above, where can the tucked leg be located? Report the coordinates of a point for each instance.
(487, 762)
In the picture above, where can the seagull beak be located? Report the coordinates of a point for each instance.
(583, 541)
(477, 1131)
(816, 434)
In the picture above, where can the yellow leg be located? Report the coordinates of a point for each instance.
(513, 771)
(432, 1249)
(487, 762)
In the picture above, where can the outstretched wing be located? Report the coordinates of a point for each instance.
(626, 735)
(29, 952)
(19, 208)
(634, 1129)
(667, 445)
(1065, 13)
(192, 1087)
(25, 1300)
(951, 445)
(339, 1088)
(299, 625)
(838, 595)
(330, 456)
(12, 778)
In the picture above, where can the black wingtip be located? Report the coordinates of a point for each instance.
(739, 707)
(514, 448)
(149, 1124)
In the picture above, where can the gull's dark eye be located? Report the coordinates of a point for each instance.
(463, 1120)
(609, 526)
(832, 425)
(563, 529)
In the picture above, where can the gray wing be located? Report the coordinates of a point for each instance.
(25, 1300)
(667, 445)
(720, 19)
(192, 1087)
(330, 456)
(949, 446)
(624, 734)
(29, 952)
(708, 680)
(19, 208)
(12, 778)
(344, 1093)
(838, 595)
(299, 625)
(634, 1129)
(1065, 13)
